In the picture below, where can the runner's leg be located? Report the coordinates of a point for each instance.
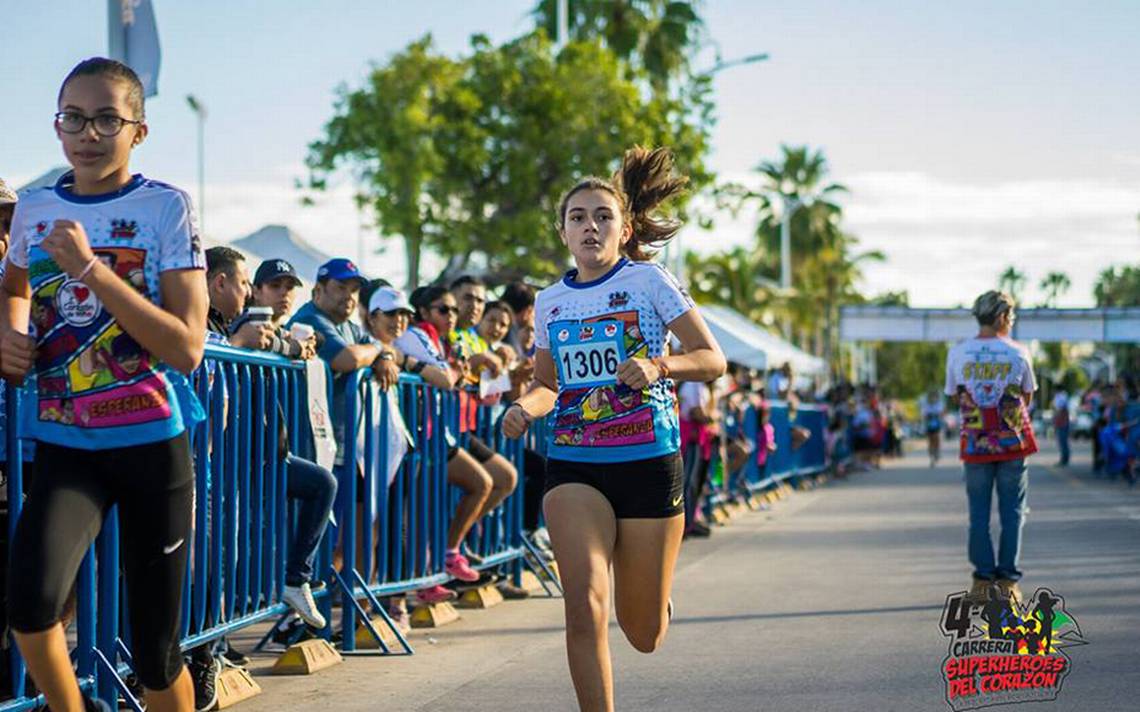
(644, 560)
(582, 532)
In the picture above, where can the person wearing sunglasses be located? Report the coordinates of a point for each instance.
(485, 477)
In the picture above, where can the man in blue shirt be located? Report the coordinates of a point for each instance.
(343, 344)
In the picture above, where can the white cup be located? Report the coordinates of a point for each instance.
(301, 332)
(260, 313)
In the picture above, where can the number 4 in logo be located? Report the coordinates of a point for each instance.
(956, 617)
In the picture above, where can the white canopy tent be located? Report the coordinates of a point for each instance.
(746, 343)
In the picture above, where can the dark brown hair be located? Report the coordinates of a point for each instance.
(644, 181)
(103, 67)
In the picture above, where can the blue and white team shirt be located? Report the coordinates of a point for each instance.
(98, 388)
(591, 327)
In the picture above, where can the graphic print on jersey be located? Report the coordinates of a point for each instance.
(91, 373)
(610, 415)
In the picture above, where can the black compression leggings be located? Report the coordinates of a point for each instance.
(72, 491)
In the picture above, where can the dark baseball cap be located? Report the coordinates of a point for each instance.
(340, 269)
(272, 269)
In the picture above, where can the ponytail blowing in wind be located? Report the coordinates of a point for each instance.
(645, 180)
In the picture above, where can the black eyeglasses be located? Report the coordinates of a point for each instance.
(444, 309)
(106, 125)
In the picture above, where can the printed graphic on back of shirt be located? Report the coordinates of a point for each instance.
(607, 415)
(92, 374)
(993, 413)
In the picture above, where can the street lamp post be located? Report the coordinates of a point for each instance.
(199, 110)
(791, 205)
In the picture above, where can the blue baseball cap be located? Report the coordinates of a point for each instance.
(340, 269)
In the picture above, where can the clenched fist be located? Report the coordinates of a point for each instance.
(17, 354)
(67, 244)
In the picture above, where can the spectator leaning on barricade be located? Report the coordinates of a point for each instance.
(227, 278)
(467, 469)
(519, 296)
(387, 316)
(275, 286)
(346, 348)
(991, 377)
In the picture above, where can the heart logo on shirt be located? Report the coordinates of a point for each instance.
(81, 293)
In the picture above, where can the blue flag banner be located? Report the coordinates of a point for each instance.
(133, 39)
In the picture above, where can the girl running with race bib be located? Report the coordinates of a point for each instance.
(614, 480)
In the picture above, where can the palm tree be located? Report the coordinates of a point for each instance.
(1011, 281)
(1054, 285)
(656, 36)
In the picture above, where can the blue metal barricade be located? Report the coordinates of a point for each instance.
(401, 524)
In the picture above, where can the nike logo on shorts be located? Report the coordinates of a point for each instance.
(173, 547)
(678, 500)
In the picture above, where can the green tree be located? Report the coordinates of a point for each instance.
(1120, 287)
(388, 134)
(1011, 281)
(468, 157)
(908, 369)
(1054, 285)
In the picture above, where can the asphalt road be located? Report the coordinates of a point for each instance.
(832, 600)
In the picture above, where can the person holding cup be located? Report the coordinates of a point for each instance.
(275, 287)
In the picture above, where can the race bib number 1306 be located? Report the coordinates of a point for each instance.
(588, 355)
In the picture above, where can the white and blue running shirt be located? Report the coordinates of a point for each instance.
(588, 327)
(98, 388)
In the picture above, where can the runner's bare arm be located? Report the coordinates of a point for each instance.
(703, 360)
(543, 393)
(17, 349)
(174, 332)
(15, 296)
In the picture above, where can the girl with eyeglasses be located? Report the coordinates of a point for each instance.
(112, 264)
(614, 481)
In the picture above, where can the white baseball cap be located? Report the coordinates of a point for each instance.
(388, 299)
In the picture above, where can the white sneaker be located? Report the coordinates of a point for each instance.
(300, 599)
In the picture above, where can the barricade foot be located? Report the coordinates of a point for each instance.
(735, 509)
(482, 597)
(307, 657)
(719, 515)
(366, 641)
(235, 685)
(531, 582)
(434, 615)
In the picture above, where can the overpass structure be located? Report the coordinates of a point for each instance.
(1101, 325)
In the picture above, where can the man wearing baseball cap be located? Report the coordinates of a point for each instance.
(275, 287)
(345, 346)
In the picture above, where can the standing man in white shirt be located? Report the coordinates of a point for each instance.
(991, 378)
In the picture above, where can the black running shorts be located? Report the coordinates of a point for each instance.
(640, 489)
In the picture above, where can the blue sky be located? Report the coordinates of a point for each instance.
(973, 134)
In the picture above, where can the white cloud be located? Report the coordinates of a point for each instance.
(946, 242)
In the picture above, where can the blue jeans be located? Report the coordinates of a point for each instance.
(1011, 479)
(1063, 444)
(316, 488)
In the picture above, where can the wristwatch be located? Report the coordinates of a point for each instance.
(383, 356)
